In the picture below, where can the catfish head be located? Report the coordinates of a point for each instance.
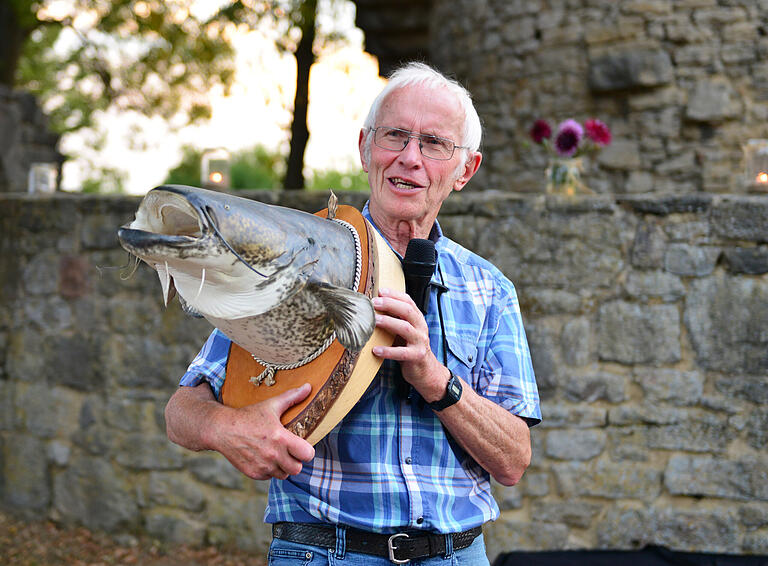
(229, 257)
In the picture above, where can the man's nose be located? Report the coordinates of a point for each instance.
(411, 153)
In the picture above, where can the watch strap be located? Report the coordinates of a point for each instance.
(452, 394)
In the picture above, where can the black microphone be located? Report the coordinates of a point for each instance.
(418, 266)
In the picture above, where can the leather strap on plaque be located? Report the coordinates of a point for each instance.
(338, 377)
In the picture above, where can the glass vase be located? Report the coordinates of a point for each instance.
(564, 176)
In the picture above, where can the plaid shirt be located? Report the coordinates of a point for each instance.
(390, 465)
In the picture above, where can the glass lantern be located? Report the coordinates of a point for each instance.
(214, 169)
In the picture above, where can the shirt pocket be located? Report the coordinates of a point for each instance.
(463, 351)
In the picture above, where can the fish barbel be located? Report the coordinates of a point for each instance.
(278, 282)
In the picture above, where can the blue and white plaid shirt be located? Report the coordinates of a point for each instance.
(390, 465)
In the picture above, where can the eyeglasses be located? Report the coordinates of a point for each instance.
(433, 147)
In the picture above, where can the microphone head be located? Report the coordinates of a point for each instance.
(419, 251)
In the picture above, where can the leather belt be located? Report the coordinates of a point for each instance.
(400, 548)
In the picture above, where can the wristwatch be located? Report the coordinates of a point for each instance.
(452, 394)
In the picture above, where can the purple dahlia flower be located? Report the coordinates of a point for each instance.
(569, 134)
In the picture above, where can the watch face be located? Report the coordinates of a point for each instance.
(454, 388)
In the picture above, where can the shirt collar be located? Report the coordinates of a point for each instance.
(435, 234)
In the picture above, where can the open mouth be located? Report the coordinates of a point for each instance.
(170, 215)
(403, 184)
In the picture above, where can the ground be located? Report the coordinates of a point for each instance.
(43, 543)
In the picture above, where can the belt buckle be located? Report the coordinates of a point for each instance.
(392, 549)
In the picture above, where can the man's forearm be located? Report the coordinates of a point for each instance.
(498, 440)
(187, 412)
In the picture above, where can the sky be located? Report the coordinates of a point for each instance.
(343, 83)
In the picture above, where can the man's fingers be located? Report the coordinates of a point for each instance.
(284, 401)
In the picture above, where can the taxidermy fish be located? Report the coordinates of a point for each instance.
(279, 282)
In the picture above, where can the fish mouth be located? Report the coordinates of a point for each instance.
(166, 219)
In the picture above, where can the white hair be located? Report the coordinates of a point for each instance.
(423, 75)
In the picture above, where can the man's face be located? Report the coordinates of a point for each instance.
(405, 185)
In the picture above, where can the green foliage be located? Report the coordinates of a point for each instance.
(104, 180)
(187, 172)
(256, 168)
(261, 168)
(149, 56)
(341, 180)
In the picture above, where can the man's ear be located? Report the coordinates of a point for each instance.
(361, 143)
(470, 168)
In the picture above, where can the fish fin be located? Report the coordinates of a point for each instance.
(351, 313)
(333, 205)
(189, 309)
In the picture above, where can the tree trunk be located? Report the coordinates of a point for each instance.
(12, 37)
(305, 57)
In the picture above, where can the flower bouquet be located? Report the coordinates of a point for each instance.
(570, 142)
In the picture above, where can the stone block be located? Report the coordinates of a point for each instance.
(41, 274)
(754, 515)
(757, 428)
(175, 527)
(593, 387)
(630, 333)
(132, 415)
(727, 320)
(753, 388)
(688, 260)
(628, 443)
(639, 182)
(508, 498)
(534, 483)
(623, 155)
(578, 514)
(649, 245)
(644, 285)
(575, 444)
(217, 471)
(141, 451)
(49, 411)
(607, 479)
(575, 342)
(549, 301)
(174, 489)
(694, 530)
(682, 388)
(705, 476)
(713, 100)
(625, 526)
(625, 69)
(745, 218)
(749, 261)
(694, 435)
(505, 534)
(25, 476)
(237, 521)
(561, 415)
(95, 494)
(645, 414)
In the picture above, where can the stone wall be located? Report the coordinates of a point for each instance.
(25, 138)
(646, 316)
(682, 83)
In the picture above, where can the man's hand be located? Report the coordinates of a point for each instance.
(398, 314)
(252, 438)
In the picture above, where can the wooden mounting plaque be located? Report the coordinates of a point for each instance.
(338, 377)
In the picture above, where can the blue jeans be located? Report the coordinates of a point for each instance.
(285, 553)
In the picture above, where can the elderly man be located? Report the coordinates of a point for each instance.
(405, 477)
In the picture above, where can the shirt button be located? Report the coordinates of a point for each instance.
(408, 460)
(420, 520)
